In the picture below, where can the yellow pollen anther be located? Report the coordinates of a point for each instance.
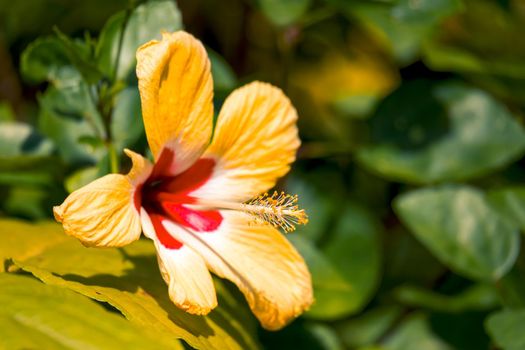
(278, 209)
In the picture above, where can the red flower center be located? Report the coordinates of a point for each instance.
(165, 196)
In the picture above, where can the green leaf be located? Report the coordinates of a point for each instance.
(369, 327)
(126, 121)
(477, 297)
(26, 201)
(334, 295)
(402, 25)
(414, 334)
(116, 51)
(302, 335)
(284, 12)
(425, 134)
(506, 329)
(460, 228)
(486, 53)
(81, 177)
(43, 60)
(6, 112)
(319, 206)
(68, 113)
(325, 336)
(20, 139)
(36, 316)
(127, 279)
(224, 78)
(346, 271)
(81, 57)
(510, 204)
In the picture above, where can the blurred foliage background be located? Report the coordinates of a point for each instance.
(411, 169)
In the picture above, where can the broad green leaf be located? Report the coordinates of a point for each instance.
(510, 204)
(19, 139)
(414, 334)
(37, 316)
(477, 297)
(126, 121)
(22, 241)
(116, 49)
(460, 228)
(43, 59)
(346, 270)
(369, 327)
(127, 279)
(506, 329)
(425, 134)
(284, 12)
(402, 25)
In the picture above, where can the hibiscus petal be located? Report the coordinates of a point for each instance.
(260, 261)
(254, 143)
(190, 285)
(176, 91)
(104, 213)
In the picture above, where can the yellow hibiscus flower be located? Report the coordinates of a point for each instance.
(199, 202)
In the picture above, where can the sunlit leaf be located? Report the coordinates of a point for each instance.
(127, 279)
(37, 316)
(460, 228)
(506, 329)
(425, 134)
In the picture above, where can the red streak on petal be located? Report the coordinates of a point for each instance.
(137, 198)
(163, 235)
(197, 220)
(163, 164)
(191, 179)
